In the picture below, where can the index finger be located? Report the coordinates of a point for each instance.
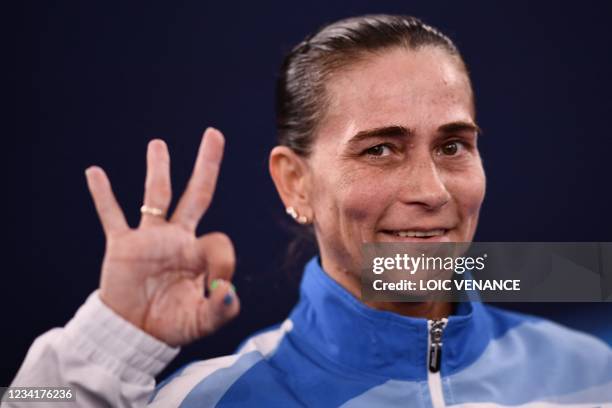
(201, 187)
(108, 209)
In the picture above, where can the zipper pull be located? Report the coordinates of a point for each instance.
(436, 328)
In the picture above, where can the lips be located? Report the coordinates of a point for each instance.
(419, 234)
(437, 234)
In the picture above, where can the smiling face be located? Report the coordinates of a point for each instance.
(395, 157)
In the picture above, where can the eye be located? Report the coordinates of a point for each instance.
(450, 148)
(380, 150)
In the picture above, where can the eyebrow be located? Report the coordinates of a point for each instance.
(385, 131)
(457, 127)
(399, 131)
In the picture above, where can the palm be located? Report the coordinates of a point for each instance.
(155, 276)
(167, 287)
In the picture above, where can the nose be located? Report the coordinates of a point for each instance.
(423, 185)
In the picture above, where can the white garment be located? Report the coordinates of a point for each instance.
(107, 360)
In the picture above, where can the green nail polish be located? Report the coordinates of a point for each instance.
(232, 288)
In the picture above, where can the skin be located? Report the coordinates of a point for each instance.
(359, 189)
(355, 187)
(154, 275)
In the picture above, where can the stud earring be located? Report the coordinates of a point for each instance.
(302, 219)
(291, 211)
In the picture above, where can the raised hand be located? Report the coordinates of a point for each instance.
(154, 275)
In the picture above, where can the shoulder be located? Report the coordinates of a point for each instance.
(536, 333)
(539, 335)
(533, 359)
(205, 383)
(536, 351)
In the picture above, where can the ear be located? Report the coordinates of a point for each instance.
(291, 176)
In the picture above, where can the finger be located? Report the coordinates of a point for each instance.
(201, 187)
(222, 306)
(216, 256)
(158, 190)
(108, 209)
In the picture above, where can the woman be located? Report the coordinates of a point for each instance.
(377, 143)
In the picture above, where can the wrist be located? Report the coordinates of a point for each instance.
(107, 339)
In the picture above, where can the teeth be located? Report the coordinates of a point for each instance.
(420, 234)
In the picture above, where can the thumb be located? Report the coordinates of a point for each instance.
(214, 252)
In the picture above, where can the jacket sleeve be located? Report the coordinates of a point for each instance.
(105, 359)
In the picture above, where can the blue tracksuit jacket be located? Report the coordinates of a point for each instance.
(335, 351)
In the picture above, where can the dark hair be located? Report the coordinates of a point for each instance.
(300, 94)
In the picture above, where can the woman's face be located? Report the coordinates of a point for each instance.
(395, 157)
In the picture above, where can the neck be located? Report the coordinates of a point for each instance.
(428, 310)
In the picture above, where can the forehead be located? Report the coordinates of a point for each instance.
(418, 89)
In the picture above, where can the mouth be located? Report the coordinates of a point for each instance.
(416, 235)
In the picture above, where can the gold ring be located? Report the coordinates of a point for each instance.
(157, 212)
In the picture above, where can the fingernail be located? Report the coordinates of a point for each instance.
(214, 284)
(227, 300)
(232, 288)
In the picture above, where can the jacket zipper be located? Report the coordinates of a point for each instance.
(434, 360)
(436, 328)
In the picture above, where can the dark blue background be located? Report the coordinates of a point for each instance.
(102, 79)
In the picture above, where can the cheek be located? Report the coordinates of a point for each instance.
(351, 200)
(469, 191)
